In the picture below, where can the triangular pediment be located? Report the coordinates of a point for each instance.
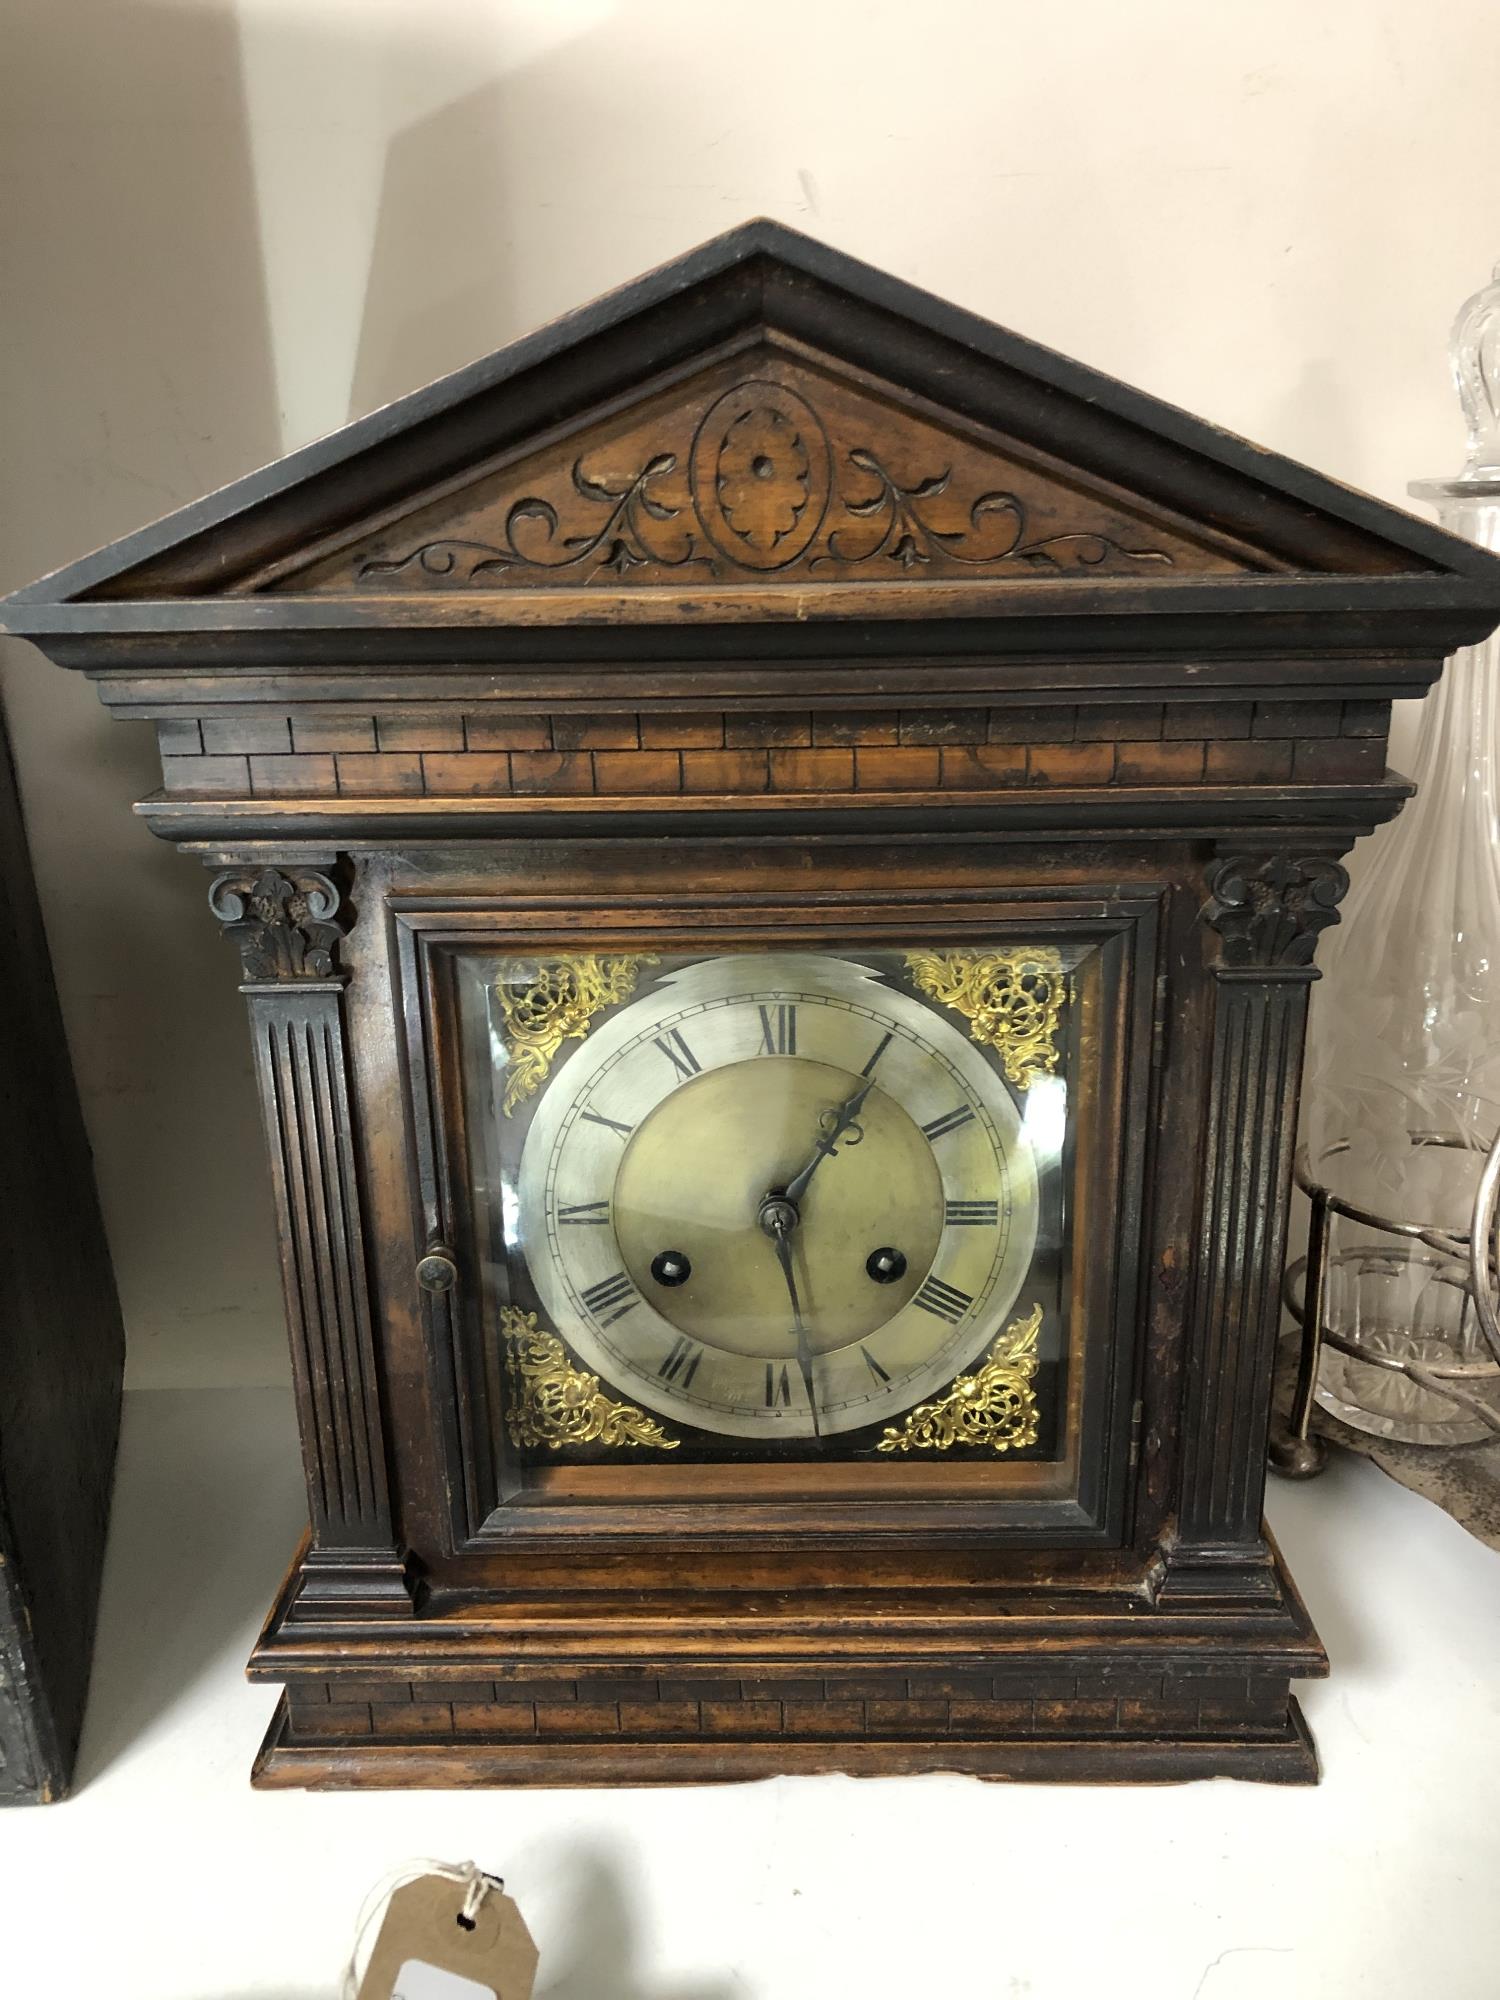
(766, 465)
(766, 432)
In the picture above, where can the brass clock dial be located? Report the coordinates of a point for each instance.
(775, 1198)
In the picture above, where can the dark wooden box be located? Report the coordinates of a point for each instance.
(62, 1355)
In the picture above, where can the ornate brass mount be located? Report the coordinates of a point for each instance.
(550, 1402)
(994, 1406)
(1010, 999)
(549, 1001)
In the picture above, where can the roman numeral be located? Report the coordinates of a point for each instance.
(610, 1124)
(885, 1042)
(611, 1298)
(981, 1212)
(585, 1211)
(778, 1031)
(678, 1054)
(778, 1387)
(874, 1366)
(943, 1301)
(949, 1122)
(682, 1361)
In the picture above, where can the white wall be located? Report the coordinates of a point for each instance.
(228, 227)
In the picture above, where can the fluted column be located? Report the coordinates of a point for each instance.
(1265, 912)
(288, 927)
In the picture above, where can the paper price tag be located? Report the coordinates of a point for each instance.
(425, 1952)
(417, 1981)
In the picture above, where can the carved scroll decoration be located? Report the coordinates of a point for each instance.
(996, 531)
(284, 926)
(547, 1002)
(993, 1407)
(1270, 909)
(622, 542)
(1012, 1001)
(756, 491)
(550, 1402)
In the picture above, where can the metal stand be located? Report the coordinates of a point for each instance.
(1465, 1259)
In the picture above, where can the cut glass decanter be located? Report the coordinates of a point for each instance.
(1403, 1085)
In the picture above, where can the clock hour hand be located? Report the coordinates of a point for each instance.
(779, 1219)
(843, 1118)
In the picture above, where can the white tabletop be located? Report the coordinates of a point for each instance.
(167, 1878)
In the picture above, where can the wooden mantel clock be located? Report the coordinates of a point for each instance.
(775, 835)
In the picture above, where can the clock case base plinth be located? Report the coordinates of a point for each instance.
(1196, 1690)
(1281, 1753)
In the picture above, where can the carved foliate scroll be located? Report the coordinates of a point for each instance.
(765, 470)
(284, 926)
(758, 481)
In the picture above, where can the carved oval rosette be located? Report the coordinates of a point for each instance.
(761, 473)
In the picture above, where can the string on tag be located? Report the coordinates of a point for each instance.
(476, 1886)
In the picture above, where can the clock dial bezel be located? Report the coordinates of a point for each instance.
(597, 1107)
(448, 948)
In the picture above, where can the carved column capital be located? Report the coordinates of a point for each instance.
(1269, 909)
(286, 926)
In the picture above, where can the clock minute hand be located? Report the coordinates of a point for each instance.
(780, 1221)
(843, 1119)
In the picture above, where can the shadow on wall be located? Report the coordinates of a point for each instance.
(216, 1479)
(437, 290)
(139, 373)
(136, 375)
(444, 284)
